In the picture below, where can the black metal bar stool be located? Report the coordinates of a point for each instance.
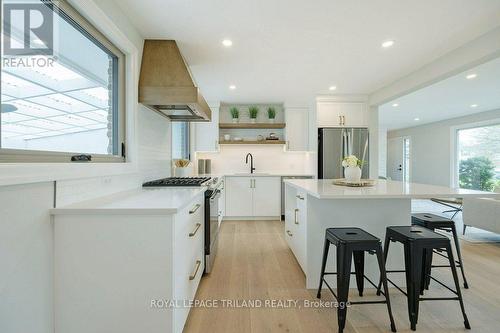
(416, 240)
(353, 242)
(436, 222)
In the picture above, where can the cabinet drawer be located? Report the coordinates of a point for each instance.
(189, 222)
(187, 277)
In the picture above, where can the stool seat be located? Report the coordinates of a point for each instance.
(350, 235)
(431, 221)
(414, 233)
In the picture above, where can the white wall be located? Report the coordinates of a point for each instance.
(271, 158)
(431, 147)
(26, 233)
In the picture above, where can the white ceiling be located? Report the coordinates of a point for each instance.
(446, 99)
(291, 50)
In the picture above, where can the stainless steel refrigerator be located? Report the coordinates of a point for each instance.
(336, 143)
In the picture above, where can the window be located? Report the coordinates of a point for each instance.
(65, 101)
(180, 140)
(479, 157)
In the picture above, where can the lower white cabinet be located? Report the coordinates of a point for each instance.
(239, 196)
(295, 224)
(253, 196)
(127, 273)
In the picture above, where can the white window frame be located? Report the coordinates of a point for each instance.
(454, 165)
(8, 155)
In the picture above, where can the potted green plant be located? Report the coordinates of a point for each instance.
(235, 114)
(271, 113)
(253, 111)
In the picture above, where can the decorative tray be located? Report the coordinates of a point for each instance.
(361, 183)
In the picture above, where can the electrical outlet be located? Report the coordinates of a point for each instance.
(106, 180)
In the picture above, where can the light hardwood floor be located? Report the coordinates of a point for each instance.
(254, 262)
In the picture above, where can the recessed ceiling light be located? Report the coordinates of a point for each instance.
(473, 105)
(227, 42)
(416, 119)
(387, 43)
(232, 87)
(395, 105)
(332, 88)
(471, 76)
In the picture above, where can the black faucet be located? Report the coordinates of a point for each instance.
(251, 162)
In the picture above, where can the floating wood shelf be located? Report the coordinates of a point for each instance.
(251, 125)
(263, 142)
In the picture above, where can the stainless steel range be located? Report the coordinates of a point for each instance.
(212, 210)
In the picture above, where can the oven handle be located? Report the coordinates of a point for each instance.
(215, 194)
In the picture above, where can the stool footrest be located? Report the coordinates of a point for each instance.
(438, 299)
(441, 283)
(367, 302)
(430, 276)
(364, 276)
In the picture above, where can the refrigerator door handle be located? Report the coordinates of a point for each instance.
(344, 150)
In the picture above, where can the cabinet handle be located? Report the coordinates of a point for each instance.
(194, 209)
(296, 216)
(198, 264)
(253, 183)
(343, 120)
(340, 120)
(198, 225)
(299, 197)
(289, 233)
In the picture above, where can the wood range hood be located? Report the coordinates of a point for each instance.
(166, 85)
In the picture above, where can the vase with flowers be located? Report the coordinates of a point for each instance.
(352, 168)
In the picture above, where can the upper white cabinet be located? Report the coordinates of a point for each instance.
(207, 133)
(253, 196)
(342, 114)
(297, 128)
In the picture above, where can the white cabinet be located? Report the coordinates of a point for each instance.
(207, 133)
(297, 128)
(267, 196)
(342, 114)
(239, 196)
(295, 224)
(253, 196)
(127, 266)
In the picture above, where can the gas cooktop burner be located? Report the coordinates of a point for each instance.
(177, 181)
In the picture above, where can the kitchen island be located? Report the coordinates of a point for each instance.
(312, 205)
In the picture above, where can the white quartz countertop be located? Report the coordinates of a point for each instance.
(259, 174)
(142, 201)
(324, 189)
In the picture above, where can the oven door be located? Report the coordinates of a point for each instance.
(212, 229)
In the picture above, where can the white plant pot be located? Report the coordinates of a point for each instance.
(253, 120)
(271, 120)
(184, 172)
(352, 174)
(235, 120)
